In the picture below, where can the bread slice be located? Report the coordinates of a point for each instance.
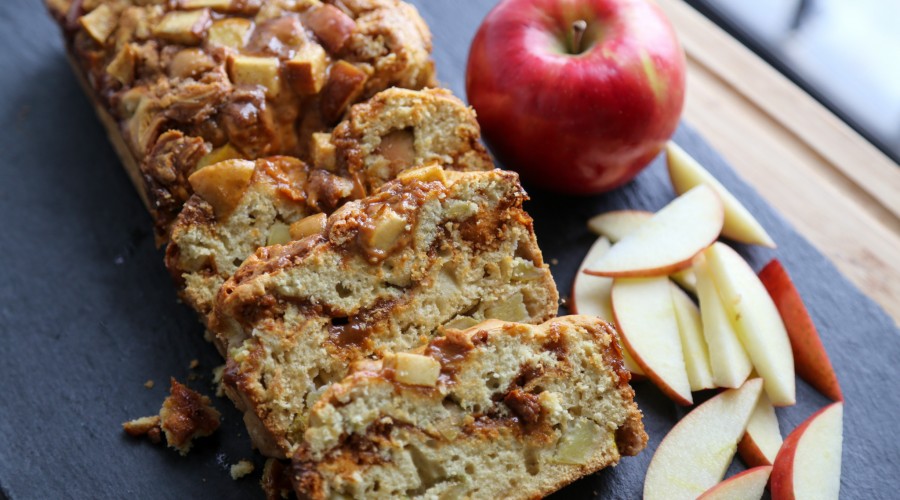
(239, 206)
(500, 410)
(180, 82)
(430, 249)
(398, 128)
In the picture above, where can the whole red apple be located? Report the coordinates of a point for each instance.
(576, 95)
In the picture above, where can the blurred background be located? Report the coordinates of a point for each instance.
(845, 53)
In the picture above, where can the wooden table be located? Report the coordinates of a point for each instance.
(837, 189)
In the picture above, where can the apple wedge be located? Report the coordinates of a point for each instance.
(756, 321)
(809, 462)
(810, 359)
(740, 225)
(616, 224)
(591, 296)
(695, 454)
(667, 241)
(693, 344)
(763, 439)
(747, 485)
(729, 361)
(646, 319)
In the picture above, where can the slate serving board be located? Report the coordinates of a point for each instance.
(88, 313)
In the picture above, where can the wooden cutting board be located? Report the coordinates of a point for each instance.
(88, 312)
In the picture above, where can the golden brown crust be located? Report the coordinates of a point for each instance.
(213, 74)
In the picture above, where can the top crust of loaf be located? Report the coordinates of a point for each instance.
(518, 393)
(430, 249)
(185, 78)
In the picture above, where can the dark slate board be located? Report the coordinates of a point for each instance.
(87, 311)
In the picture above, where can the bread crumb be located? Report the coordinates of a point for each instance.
(186, 415)
(241, 469)
(218, 372)
(194, 364)
(149, 384)
(554, 262)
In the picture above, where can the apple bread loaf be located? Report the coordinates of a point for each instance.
(182, 83)
(430, 249)
(500, 410)
(239, 206)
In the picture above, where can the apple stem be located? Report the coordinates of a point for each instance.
(578, 29)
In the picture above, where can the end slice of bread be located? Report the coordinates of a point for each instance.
(431, 249)
(500, 410)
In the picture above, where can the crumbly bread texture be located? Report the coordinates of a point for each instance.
(512, 411)
(398, 128)
(429, 250)
(186, 80)
(225, 222)
(185, 415)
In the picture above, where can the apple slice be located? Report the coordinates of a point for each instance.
(748, 485)
(756, 320)
(591, 296)
(695, 454)
(740, 225)
(809, 463)
(616, 224)
(729, 361)
(667, 241)
(762, 440)
(645, 316)
(693, 345)
(810, 359)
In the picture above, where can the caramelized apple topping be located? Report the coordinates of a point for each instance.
(252, 70)
(100, 23)
(331, 26)
(190, 63)
(324, 154)
(226, 152)
(122, 66)
(231, 32)
(305, 72)
(314, 224)
(186, 28)
(345, 83)
(223, 184)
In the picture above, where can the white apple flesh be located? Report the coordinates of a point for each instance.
(761, 442)
(757, 321)
(646, 319)
(809, 463)
(616, 224)
(729, 361)
(695, 454)
(667, 241)
(591, 296)
(740, 225)
(693, 344)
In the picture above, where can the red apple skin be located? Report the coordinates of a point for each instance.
(810, 359)
(737, 476)
(750, 452)
(781, 482)
(585, 123)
